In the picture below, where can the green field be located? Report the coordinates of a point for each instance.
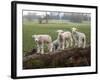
(31, 28)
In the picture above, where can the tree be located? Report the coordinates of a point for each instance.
(76, 17)
(46, 17)
(29, 17)
(43, 18)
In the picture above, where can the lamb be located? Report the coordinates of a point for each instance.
(79, 38)
(41, 40)
(55, 45)
(65, 39)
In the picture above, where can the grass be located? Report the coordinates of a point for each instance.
(31, 28)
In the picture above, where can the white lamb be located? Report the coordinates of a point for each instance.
(79, 38)
(65, 39)
(41, 40)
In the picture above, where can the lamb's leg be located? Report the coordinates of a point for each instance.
(50, 47)
(80, 43)
(71, 42)
(63, 45)
(38, 48)
(59, 45)
(67, 44)
(54, 48)
(76, 43)
(42, 48)
(84, 43)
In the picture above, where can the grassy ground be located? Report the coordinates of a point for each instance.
(31, 28)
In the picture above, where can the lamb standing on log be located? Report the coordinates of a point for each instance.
(41, 40)
(64, 38)
(79, 38)
(55, 45)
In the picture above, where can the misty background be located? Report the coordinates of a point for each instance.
(55, 17)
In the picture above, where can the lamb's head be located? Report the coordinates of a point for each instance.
(35, 37)
(74, 29)
(60, 31)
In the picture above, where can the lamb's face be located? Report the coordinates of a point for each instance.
(35, 38)
(74, 29)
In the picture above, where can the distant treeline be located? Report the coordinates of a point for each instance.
(71, 16)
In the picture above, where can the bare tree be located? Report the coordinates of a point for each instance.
(46, 17)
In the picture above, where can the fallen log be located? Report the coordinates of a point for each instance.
(65, 58)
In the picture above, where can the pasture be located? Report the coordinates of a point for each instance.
(31, 28)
